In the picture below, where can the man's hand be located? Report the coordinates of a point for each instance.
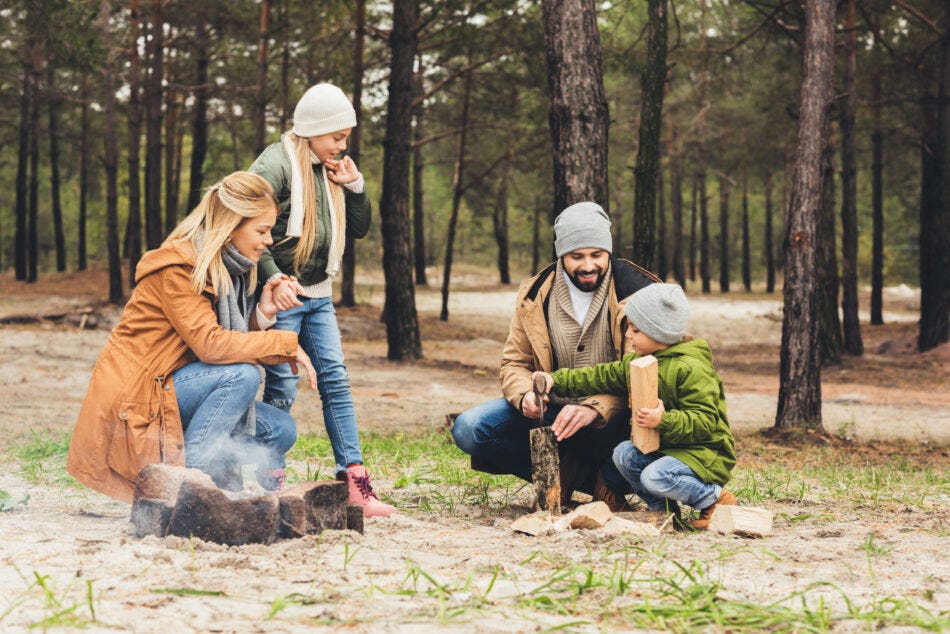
(571, 419)
(530, 407)
(548, 380)
(650, 416)
(304, 360)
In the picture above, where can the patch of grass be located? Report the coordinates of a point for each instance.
(42, 459)
(7, 503)
(60, 608)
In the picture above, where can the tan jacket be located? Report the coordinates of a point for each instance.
(528, 347)
(130, 415)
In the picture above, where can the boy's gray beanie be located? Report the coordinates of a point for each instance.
(582, 226)
(660, 311)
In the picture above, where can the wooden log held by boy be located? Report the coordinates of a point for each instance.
(643, 393)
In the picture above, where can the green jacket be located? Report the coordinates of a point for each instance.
(694, 428)
(274, 166)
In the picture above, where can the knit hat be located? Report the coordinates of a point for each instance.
(582, 226)
(323, 109)
(660, 311)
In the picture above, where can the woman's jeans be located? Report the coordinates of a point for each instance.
(658, 478)
(319, 336)
(213, 400)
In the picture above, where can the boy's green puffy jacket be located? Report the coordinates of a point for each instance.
(694, 428)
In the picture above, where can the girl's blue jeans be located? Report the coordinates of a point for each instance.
(319, 336)
(212, 400)
(657, 478)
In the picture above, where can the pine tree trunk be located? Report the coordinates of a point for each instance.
(402, 323)
(829, 329)
(851, 326)
(746, 247)
(457, 191)
(199, 114)
(110, 160)
(133, 232)
(500, 217)
(935, 208)
(171, 152)
(704, 273)
(81, 255)
(692, 228)
(418, 198)
(799, 400)
(22, 173)
(53, 106)
(32, 219)
(578, 113)
(676, 202)
(153, 128)
(661, 259)
(260, 100)
(652, 81)
(877, 205)
(723, 234)
(769, 232)
(348, 281)
(536, 238)
(360, 14)
(701, 151)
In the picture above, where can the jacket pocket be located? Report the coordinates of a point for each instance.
(136, 440)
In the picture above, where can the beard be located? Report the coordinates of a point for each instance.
(587, 287)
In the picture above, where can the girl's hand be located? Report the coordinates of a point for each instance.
(304, 360)
(343, 171)
(281, 293)
(650, 417)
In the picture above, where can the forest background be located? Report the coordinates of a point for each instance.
(119, 114)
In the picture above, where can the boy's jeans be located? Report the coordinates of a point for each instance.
(319, 336)
(212, 400)
(657, 478)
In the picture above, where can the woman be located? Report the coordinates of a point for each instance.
(321, 198)
(177, 379)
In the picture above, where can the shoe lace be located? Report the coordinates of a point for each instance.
(366, 489)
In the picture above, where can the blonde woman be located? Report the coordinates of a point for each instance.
(177, 379)
(321, 197)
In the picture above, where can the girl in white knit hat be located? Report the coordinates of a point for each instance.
(321, 197)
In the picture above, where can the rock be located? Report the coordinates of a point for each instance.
(210, 514)
(162, 481)
(620, 526)
(312, 507)
(745, 521)
(593, 515)
(354, 518)
(150, 517)
(534, 524)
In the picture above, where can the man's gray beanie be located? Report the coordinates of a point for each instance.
(660, 311)
(582, 226)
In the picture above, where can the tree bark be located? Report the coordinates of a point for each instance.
(877, 205)
(701, 151)
(652, 81)
(418, 190)
(769, 232)
(260, 100)
(704, 274)
(458, 188)
(348, 277)
(723, 234)
(53, 110)
(661, 259)
(829, 329)
(81, 246)
(199, 114)
(110, 160)
(22, 171)
(402, 324)
(500, 216)
(676, 203)
(799, 400)
(692, 228)
(360, 14)
(746, 247)
(153, 128)
(133, 232)
(935, 207)
(32, 218)
(171, 154)
(851, 326)
(578, 113)
(536, 238)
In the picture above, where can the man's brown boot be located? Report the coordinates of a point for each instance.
(726, 498)
(615, 502)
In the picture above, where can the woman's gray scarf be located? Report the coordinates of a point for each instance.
(234, 311)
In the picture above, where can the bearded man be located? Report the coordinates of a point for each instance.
(567, 316)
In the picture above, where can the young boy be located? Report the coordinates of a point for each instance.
(696, 454)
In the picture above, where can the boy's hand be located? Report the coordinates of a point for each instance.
(650, 417)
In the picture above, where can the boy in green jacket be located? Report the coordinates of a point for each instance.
(696, 454)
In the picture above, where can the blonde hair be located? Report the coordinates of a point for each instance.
(308, 233)
(225, 205)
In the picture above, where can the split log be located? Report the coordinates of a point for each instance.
(546, 469)
(210, 514)
(745, 521)
(643, 393)
(620, 526)
(312, 507)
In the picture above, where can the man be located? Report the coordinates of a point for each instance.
(566, 316)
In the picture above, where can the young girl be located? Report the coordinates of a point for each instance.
(321, 198)
(177, 379)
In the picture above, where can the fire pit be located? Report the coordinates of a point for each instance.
(171, 500)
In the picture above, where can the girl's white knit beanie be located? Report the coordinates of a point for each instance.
(323, 109)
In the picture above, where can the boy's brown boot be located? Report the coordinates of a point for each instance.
(615, 502)
(726, 498)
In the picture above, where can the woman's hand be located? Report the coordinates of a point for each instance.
(304, 360)
(343, 171)
(280, 294)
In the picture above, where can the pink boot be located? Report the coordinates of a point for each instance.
(362, 494)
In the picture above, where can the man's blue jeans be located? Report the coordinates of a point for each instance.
(319, 336)
(212, 400)
(657, 478)
(495, 433)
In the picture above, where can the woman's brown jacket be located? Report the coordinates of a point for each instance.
(130, 415)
